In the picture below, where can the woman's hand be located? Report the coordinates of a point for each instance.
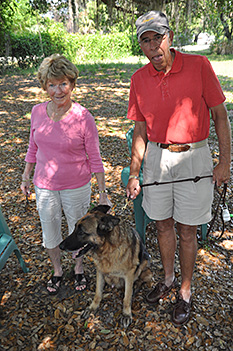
(25, 187)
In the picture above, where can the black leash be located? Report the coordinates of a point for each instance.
(195, 180)
(223, 207)
(222, 198)
(27, 202)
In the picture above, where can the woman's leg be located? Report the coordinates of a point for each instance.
(75, 204)
(49, 208)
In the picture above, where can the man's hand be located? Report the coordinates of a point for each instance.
(137, 153)
(221, 173)
(133, 188)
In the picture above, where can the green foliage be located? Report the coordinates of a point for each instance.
(7, 10)
(57, 38)
(222, 47)
(29, 49)
(97, 47)
(24, 48)
(28, 36)
(23, 20)
(182, 39)
(136, 50)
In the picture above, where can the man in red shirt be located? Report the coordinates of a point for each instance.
(170, 101)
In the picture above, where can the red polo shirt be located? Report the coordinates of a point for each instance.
(175, 106)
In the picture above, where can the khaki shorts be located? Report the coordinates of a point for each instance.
(75, 204)
(186, 202)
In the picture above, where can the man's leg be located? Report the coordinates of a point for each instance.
(188, 254)
(167, 247)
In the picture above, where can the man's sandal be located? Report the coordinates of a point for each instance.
(80, 282)
(55, 284)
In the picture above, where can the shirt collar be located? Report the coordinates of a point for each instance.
(176, 66)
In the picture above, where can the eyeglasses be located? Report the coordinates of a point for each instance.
(157, 39)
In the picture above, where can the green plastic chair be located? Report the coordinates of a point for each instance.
(8, 245)
(141, 218)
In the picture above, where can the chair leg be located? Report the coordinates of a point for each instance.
(203, 231)
(139, 217)
(21, 261)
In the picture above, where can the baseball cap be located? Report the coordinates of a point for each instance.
(155, 21)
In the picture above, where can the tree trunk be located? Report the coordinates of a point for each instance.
(41, 43)
(175, 14)
(227, 31)
(71, 19)
(97, 14)
(132, 21)
(7, 44)
(76, 16)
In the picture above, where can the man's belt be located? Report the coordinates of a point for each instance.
(182, 147)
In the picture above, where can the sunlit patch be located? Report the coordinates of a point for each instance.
(92, 323)
(18, 140)
(5, 297)
(227, 244)
(14, 219)
(47, 344)
(28, 116)
(34, 90)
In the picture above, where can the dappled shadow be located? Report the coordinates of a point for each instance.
(227, 84)
(29, 315)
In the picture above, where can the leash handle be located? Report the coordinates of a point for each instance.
(222, 198)
(27, 201)
(127, 200)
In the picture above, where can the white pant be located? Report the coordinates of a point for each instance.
(75, 204)
(187, 202)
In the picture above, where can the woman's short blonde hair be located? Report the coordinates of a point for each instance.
(56, 66)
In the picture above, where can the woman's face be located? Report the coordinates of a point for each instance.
(60, 90)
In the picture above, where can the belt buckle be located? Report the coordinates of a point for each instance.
(170, 148)
(178, 148)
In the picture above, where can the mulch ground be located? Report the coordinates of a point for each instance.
(33, 320)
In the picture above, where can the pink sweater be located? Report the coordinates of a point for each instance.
(66, 152)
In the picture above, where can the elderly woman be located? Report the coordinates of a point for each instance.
(64, 147)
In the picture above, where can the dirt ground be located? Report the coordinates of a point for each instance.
(31, 319)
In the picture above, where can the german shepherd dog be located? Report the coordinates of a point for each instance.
(118, 254)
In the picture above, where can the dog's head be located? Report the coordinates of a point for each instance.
(91, 231)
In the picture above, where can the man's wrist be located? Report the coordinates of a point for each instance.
(132, 176)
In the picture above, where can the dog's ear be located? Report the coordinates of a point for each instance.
(101, 208)
(107, 223)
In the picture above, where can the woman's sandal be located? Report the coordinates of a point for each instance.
(80, 282)
(55, 284)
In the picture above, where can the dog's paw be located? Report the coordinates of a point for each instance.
(126, 320)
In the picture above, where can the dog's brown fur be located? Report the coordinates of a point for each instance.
(118, 253)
